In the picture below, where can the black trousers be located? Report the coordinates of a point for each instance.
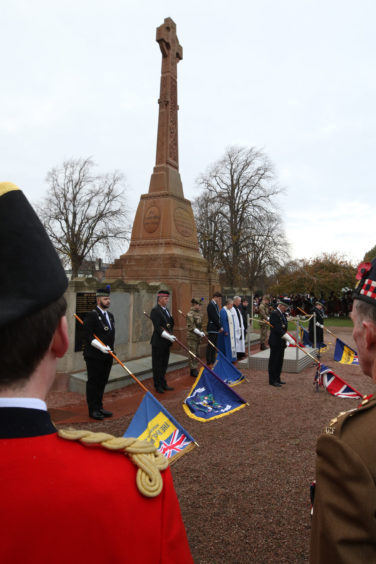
(210, 351)
(159, 361)
(98, 372)
(275, 363)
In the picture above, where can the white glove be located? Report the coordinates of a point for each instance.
(167, 336)
(97, 345)
(319, 325)
(198, 332)
(288, 339)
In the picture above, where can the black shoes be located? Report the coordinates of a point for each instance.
(276, 384)
(100, 414)
(281, 382)
(96, 415)
(163, 388)
(105, 413)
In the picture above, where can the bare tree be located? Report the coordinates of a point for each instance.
(266, 252)
(235, 212)
(83, 210)
(208, 228)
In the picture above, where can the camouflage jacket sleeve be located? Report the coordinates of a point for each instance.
(193, 321)
(263, 311)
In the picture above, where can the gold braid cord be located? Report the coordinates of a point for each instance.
(142, 453)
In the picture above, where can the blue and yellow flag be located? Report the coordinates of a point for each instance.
(345, 354)
(152, 422)
(227, 371)
(210, 398)
(304, 338)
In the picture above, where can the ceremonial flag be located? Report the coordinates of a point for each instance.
(304, 337)
(335, 385)
(152, 422)
(210, 398)
(227, 371)
(345, 354)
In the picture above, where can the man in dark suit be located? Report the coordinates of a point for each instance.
(161, 341)
(277, 341)
(214, 325)
(101, 323)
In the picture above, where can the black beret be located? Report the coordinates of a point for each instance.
(32, 274)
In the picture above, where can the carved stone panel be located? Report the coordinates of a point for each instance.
(183, 222)
(152, 219)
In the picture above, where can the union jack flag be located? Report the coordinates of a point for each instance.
(174, 444)
(335, 385)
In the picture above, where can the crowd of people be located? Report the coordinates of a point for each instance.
(61, 498)
(335, 306)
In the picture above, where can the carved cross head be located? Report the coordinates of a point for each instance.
(168, 40)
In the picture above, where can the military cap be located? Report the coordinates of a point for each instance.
(365, 289)
(103, 292)
(163, 293)
(281, 301)
(196, 301)
(32, 274)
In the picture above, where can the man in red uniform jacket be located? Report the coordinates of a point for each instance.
(62, 501)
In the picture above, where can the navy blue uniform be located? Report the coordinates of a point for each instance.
(277, 345)
(98, 364)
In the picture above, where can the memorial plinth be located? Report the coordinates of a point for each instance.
(164, 246)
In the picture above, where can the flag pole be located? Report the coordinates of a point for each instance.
(116, 358)
(261, 321)
(214, 347)
(296, 344)
(326, 329)
(201, 362)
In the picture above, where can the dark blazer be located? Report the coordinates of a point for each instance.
(279, 322)
(214, 323)
(319, 332)
(95, 322)
(161, 322)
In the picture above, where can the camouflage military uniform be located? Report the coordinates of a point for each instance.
(264, 312)
(194, 321)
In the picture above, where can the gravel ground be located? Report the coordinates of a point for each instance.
(244, 493)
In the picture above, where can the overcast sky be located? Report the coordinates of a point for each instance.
(295, 78)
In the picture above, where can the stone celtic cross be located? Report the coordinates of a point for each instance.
(172, 53)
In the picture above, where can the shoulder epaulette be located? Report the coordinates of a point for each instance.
(143, 454)
(343, 415)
